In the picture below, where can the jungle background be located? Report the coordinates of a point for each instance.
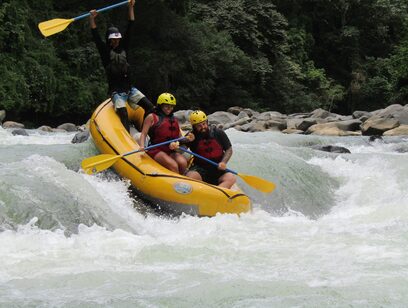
(284, 55)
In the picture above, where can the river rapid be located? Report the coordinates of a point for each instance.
(334, 233)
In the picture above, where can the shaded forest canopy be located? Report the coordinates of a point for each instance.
(284, 55)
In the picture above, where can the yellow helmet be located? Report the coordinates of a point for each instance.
(196, 117)
(166, 98)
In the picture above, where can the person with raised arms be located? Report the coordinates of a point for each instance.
(114, 56)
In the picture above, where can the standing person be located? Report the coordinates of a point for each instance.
(114, 59)
(213, 144)
(161, 125)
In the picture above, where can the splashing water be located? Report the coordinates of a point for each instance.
(333, 233)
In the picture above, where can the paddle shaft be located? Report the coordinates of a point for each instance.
(153, 146)
(104, 161)
(102, 10)
(206, 159)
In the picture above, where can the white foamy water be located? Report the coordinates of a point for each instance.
(35, 137)
(333, 234)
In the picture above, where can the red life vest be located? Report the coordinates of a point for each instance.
(210, 148)
(164, 128)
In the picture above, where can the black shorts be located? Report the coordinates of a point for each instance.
(209, 174)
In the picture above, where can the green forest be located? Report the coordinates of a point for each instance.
(284, 55)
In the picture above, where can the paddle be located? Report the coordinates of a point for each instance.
(253, 181)
(53, 26)
(101, 162)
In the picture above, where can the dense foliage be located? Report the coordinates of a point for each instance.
(285, 55)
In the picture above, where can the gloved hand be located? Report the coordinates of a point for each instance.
(222, 166)
(190, 137)
(174, 145)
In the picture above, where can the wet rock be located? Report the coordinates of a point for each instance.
(374, 138)
(19, 132)
(331, 149)
(81, 137)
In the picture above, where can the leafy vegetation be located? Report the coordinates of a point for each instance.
(284, 55)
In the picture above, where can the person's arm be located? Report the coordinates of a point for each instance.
(131, 10)
(189, 138)
(227, 155)
(92, 16)
(96, 37)
(226, 145)
(147, 123)
(129, 29)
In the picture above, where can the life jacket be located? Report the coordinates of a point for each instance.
(118, 64)
(164, 128)
(209, 147)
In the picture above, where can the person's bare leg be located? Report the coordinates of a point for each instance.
(181, 161)
(166, 161)
(227, 180)
(194, 175)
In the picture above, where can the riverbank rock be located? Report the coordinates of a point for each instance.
(45, 128)
(395, 111)
(69, 127)
(221, 117)
(11, 124)
(398, 131)
(377, 125)
(330, 129)
(390, 121)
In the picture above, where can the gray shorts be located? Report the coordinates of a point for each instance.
(132, 97)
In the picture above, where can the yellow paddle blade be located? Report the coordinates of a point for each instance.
(99, 163)
(257, 183)
(53, 26)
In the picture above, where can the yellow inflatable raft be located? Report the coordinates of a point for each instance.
(162, 188)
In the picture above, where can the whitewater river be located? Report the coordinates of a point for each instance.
(334, 233)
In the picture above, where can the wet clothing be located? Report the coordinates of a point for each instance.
(212, 146)
(117, 71)
(134, 98)
(164, 128)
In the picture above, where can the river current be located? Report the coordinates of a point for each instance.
(334, 233)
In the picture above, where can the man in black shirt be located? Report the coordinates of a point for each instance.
(213, 144)
(114, 59)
